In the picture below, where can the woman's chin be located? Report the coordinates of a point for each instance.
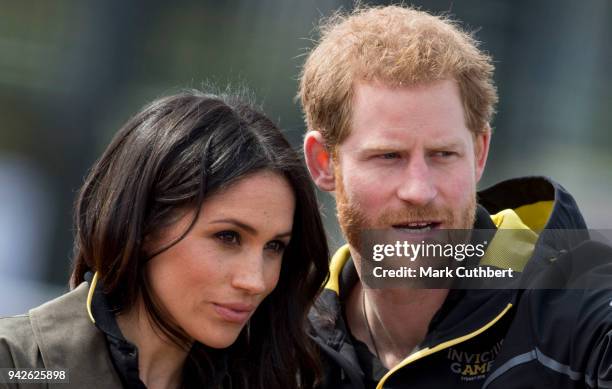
(220, 339)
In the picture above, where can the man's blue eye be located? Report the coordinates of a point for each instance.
(389, 156)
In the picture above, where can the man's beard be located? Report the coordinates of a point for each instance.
(353, 222)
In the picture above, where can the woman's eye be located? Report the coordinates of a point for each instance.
(228, 237)
(276, 246)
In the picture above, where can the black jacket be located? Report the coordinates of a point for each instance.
(553, 330)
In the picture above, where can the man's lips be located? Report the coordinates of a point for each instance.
(234, 312)
(418, 226)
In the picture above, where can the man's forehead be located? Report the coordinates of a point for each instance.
(436, 105)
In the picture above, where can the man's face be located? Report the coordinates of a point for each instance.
(409, 163)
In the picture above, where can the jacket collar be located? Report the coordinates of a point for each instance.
(539, 202)
(68, 340)
(544, 215)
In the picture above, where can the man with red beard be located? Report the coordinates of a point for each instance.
(398, 104)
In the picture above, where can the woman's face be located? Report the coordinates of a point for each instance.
(212, 281)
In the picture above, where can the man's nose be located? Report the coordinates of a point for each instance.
(417, 183)
(249, 275)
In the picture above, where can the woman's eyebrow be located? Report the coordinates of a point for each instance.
(284, 235)
(248, 228)
(240, 224)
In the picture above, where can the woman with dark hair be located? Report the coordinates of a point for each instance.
(199, 249)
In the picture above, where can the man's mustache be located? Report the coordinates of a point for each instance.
(404, 216)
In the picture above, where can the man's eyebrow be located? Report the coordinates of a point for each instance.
(451, 143)
(378, 145)
(391, 147)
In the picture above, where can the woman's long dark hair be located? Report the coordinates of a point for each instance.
(172, 155)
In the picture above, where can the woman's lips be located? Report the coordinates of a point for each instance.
(235, 313)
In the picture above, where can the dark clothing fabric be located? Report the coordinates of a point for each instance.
(373, 369)
(551, 329)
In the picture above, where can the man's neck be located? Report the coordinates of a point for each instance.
(395, 321)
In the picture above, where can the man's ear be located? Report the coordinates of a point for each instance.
(319, 161)
(482, 141)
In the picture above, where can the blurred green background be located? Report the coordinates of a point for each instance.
(71, 72)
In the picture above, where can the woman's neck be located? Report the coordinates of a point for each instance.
(160, 361)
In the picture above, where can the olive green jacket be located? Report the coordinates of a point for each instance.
(58, 335)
